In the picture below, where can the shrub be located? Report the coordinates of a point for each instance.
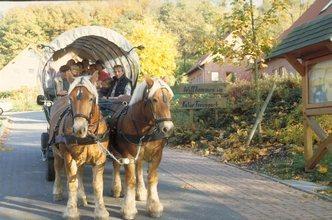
(280, 148)
(23, 99)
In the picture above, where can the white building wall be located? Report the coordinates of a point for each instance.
(22, 71)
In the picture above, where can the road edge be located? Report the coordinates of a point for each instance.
(4, 130)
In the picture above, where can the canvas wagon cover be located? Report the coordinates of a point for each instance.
(93, 43)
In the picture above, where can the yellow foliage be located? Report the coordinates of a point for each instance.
(322, 168)
(159, 56)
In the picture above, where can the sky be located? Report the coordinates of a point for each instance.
(6, 5)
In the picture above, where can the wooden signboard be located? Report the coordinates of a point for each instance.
(191, 103)
(211, 88)
(317, 97)
(320, 85)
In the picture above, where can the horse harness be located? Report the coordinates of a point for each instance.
(70, 139)
(153, 134)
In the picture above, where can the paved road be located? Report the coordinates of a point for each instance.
(191, 187)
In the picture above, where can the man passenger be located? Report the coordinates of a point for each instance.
(75, 70)
(121, 86)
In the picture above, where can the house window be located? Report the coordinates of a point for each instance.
(214, 76)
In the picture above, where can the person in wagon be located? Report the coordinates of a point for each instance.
(121, 87)
(92, 68)
(80, 68)
(103, 79)
(70, 62)
(61, 82)
(75, 70)
(85, 67)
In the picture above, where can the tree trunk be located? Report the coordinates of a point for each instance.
(256, 73)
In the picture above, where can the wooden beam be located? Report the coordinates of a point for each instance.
(316, 128)
(323, 147)
(308, 151)
(296, 64)
(318, 111)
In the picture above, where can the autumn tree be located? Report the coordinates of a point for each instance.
(252, 35)
(41, 24)
(192, 22)
(160, 53)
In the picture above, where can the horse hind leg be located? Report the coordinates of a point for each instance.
(57, 186)
(141, 193)
(117, 187)
(82, 201)
(153, 205)
(100, 210)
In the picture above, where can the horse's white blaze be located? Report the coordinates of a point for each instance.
(80, 127)
(84, 81)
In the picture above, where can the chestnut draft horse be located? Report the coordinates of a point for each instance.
(80, 138)
(139, 135)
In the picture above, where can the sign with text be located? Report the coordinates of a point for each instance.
(211, 88)
(191, 103)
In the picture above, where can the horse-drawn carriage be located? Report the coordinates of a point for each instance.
(79, 132)
(92, 43)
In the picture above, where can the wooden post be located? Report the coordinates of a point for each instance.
(191, 115)
(308, 151)
(260, 114)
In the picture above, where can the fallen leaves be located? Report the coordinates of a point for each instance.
(322, 168)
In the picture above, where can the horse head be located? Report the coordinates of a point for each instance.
(83, 98)
(156, 96)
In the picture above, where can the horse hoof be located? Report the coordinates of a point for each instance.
(102, 214)
(141, 194)
(155, 209)
(57, 197)
(155, 214)
(117, 194)
(71, 214)
(82, 202)
(129, 215)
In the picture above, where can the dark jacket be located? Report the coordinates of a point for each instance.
(120, 85)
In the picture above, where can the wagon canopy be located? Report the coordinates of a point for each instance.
(93, 43)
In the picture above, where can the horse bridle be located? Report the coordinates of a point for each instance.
(149, 102)
(79, 97)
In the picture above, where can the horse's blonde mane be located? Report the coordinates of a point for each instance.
(84, 81)
(140, 88)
